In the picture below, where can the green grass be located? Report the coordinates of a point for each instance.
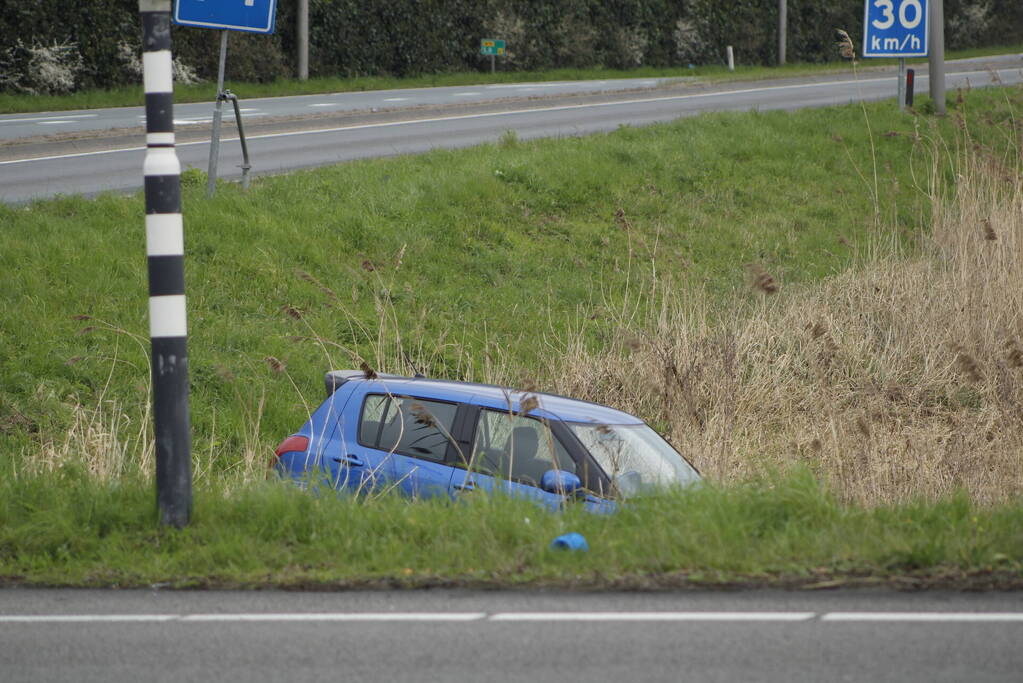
(470, 257)
(203, 92)
(68, 530)
(474, 253)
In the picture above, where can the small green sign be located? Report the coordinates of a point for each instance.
(490, 46)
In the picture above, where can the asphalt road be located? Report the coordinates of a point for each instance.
(13, 126)
(397, 636)
(34, 168)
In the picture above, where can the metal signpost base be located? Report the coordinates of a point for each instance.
(218, 114)
(245, 166)
(211, 181)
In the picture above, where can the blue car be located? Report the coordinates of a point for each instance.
(425, 437)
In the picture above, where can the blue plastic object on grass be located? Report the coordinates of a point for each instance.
(573, 541)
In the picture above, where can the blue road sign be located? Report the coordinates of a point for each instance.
(895, 28)
(254, 16)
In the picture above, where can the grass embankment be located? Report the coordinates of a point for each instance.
(878, 349)
(72, 530)
(129, 96)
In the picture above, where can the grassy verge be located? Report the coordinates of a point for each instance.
(838, 296)
(203, 92)
(785, 530)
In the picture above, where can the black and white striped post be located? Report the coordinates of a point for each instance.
(165, 249)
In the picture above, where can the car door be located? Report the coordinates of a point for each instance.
(417, 432)
(351, 464)
(509, 453)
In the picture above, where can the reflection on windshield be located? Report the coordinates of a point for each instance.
(635, 457)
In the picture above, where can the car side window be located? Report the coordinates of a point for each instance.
(516, 447)
(406, 425)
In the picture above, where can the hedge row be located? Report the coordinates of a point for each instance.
(408, 37)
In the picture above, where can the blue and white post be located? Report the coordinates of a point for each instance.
(165, 249)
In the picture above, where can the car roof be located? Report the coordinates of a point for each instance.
(549, 406)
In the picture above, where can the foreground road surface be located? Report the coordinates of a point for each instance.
(440, 635)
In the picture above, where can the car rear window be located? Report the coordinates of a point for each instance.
(407, 425)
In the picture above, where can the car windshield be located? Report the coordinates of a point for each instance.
(635, 457)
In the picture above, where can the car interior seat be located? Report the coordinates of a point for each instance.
(522, 454)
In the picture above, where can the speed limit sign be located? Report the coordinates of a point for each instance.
(895, 28)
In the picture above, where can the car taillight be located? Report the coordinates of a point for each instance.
(292, 443)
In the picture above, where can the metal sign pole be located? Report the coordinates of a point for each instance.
(211, 179)
(902, 85)
(936, 70)
(165, 251)
(303, 40)
(783, 21)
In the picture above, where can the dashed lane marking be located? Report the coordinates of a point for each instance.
(924, 616)
(553, 617)
(49, 118)
(653, 616)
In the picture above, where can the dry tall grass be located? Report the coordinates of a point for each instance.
(900, 378)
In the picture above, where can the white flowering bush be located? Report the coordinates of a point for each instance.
(129, 55)
(39, 69)
(691, 45)
(967, 26)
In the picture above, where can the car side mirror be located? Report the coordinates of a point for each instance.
(560, 482)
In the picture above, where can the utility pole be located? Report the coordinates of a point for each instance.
(783, 20)
(936, 68)
(165, 252)
(303, 40)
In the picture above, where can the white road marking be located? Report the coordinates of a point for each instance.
(82, 618)
(467, 94)
(47, 118)
(325, 104)
(513, 112)
(396, 99)
(653, 616)
(924, 616)
(342, 616)
(560, 617)
(541, 85)
(54, 123)
(307, 617)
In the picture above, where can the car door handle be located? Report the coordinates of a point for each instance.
(350, 459)
(465, 486)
